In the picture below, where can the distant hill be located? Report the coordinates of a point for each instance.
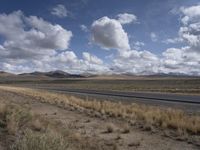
(61, 74)
(113, 76)
(170, 75)
(6, 74)
(53, 74)
(135, 77)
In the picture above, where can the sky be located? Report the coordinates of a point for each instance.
(140, 37)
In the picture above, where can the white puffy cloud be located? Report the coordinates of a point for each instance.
(29, 37)
(190, 31)
(190, 14)
(91, 58)
(66, 61)
(186, 59)
(92, 64)
(191, 34)
(181, 60)
(53, 36)
(126, 18)
(68, 57)
(109, 33)
(59, 11)
(136, 62)
(33, 44)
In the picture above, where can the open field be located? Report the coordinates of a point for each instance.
(84, 124)
(168, 85)
(178, 92)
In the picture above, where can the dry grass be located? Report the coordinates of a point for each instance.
(36, 141)
(14, 117)
(147, 115)
(28, 131)
(24, 126)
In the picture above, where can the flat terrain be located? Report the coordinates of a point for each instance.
(166, 91)
(187, 85)
(102, 132)
(107, 113)
(189, 103)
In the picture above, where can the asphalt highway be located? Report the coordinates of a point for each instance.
(191, 99)
(158, 98)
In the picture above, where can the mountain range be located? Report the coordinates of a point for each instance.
(62, 74)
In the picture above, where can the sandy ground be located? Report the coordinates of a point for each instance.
(94, 126)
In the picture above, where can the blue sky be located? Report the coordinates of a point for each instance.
(157, 21)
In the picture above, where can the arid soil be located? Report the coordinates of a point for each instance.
(101, 132)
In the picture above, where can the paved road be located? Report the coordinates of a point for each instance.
(176, 98)
(190, 103)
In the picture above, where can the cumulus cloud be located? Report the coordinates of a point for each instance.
(53, 36)
(33, 44)
(109, 33)
(59, 11)
(42, 38)
(190, 14)
(92, 58)
(190, 34)
(92, 64)
(126, 18)
(186, 59)
(136, 62)
(190, 31)
(181, 60)
(30, 43)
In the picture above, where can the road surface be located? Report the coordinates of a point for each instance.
(189, 102)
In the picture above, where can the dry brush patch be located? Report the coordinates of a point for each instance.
(18, 122)
(169, 118)
(36, 141)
